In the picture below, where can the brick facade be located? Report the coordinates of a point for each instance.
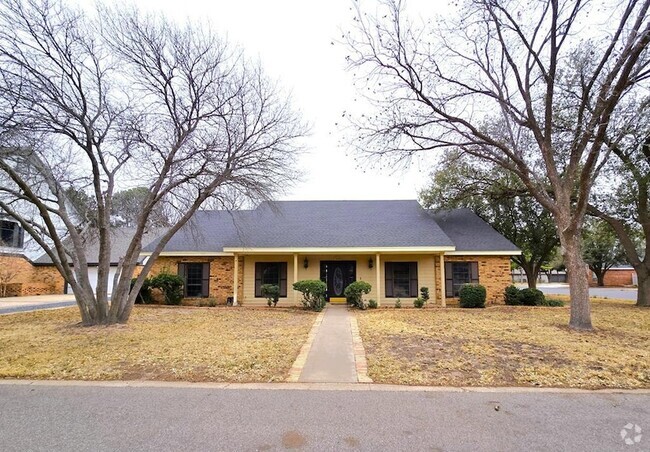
(28, 279)
(493, 273)
(221, 273)
(615, 277)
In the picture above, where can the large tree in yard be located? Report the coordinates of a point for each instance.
(95, 103)
(533, 87)
(499, 198)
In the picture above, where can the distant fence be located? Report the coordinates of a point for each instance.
(518, 276)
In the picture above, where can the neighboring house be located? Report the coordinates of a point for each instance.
(18, 276)
(623, 275)
(396, 246)
(120, 241)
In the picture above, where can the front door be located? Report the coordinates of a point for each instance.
(337, 275)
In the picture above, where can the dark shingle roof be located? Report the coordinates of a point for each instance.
(470, 233)
(335, 224)
(120, 241)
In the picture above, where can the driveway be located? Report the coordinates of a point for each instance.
(110, 417)
(609, 292)
(35, 303)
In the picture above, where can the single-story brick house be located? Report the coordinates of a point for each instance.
(396, 246)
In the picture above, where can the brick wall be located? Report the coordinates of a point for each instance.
(614, 277)
(493, 273)
(221, 273)
(29, 279)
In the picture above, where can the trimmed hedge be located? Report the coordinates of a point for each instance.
(313, 293)
(512, 296)
(472, 296)
(529, 297)
(532, 297)
(272, 294)
(355, 292)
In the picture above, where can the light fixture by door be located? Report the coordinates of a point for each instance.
(370, 263)
(305, 263)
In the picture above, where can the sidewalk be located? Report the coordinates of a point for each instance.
(335, 353)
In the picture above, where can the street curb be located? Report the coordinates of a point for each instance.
(299, 363)
(314, 387)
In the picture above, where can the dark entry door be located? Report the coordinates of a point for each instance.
(337, 275)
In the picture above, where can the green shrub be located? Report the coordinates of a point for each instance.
(313, 293)
(424, 293)
(472, 296)
(513, 296)
(144, 295)
(553, 303)
(398, 303)
(355, 292)
(170, 285)
(272, 293)
(372, 303)
(419, 302)
(212, 302)
(532, 297)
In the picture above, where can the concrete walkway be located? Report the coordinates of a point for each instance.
(12, 305)
(332, 357)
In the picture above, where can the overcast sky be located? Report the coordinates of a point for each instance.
(293, 39)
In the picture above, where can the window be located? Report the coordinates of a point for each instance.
(196, 276)
(457, 274)
(11, 234)
(401, 279)
(270, 273)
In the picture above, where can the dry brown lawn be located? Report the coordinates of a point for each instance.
(190, 344)
(509, 346)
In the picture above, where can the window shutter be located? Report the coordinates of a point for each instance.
(205, 282)
(388, 270)
(283, 279)
(183, 274)
(258, 279)
(449, 280)
(413, 277)
(473, 272)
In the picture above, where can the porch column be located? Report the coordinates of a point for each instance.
(378, 273)
(236, 280)
(443, 299)
(434, 296)
(295, 277)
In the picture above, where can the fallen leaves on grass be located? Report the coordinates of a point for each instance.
(509, 346)
(216, 344)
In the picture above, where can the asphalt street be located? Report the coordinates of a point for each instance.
(100, 418)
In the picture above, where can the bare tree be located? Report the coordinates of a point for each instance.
(95, 102)
(623, 195)
(533, 88)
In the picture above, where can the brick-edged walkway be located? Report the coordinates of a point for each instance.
(333, 351)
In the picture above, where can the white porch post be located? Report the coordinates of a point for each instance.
(235, 284)
(378, 273)
(434, 296)
(443, 298)
(295, 277)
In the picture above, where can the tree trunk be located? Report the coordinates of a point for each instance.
(531, 278)
(600, 276)
(578, 282)
(643, 292)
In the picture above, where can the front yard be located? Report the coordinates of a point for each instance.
(210, 344)
(509, 346)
